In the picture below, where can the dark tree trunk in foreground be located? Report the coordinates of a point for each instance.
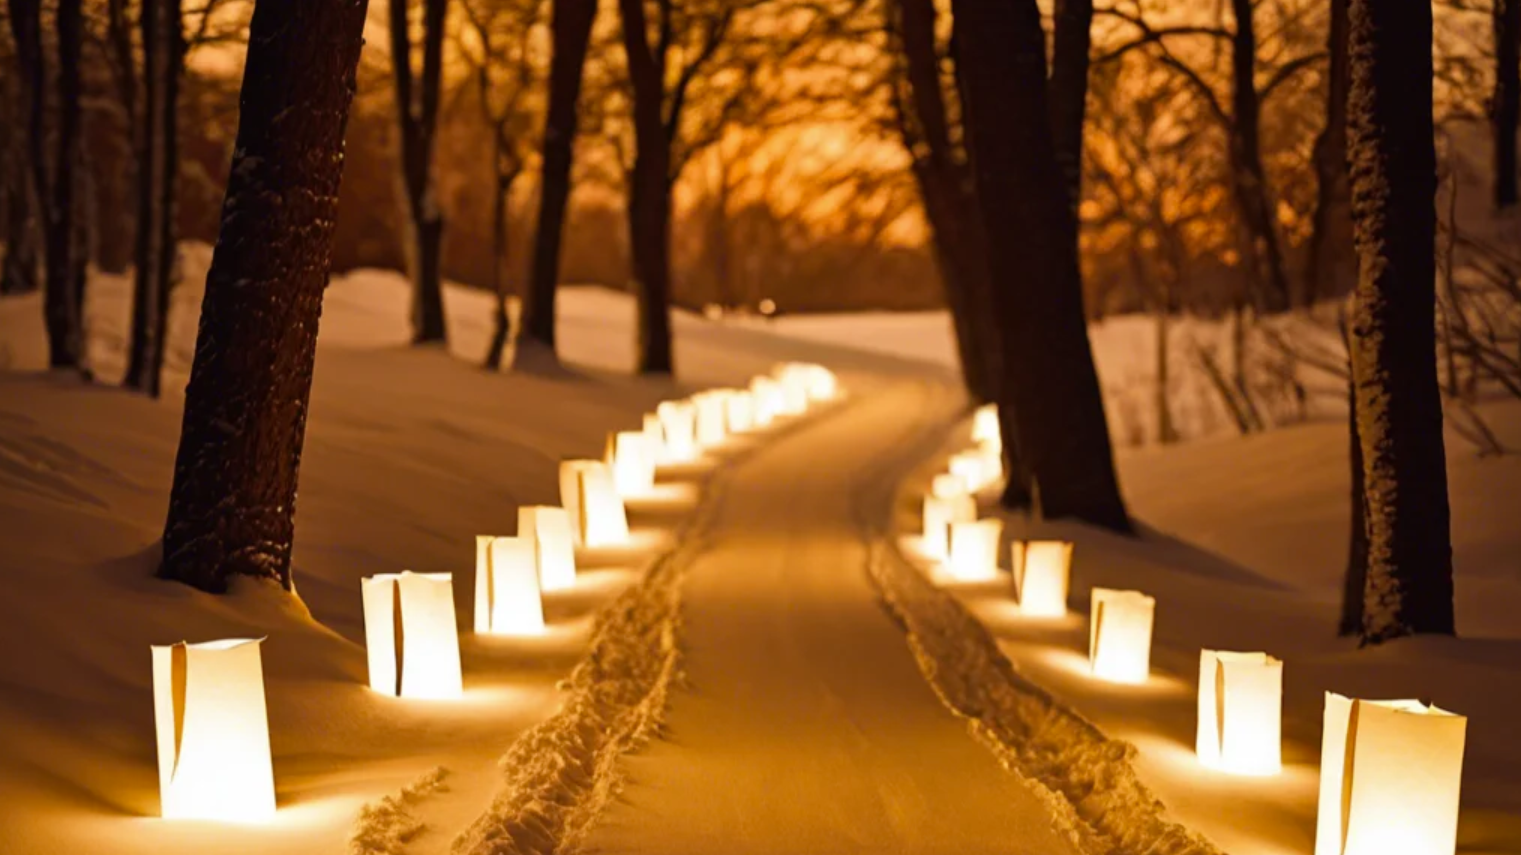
(1356, 578)
(21, 273)
(1330, 224)
(417, 112)
(1506, 109)
(54, 186)
(649, 192)
(157, 190)
(1049, 382)
(571, 27)
(1399, 407)
(1073, 38)
(232, 507)
(1248, 177)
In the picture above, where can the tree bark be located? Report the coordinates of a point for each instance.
(1399, 410)
(571, 29)
(649, 192)
(1330, 225)
(157, 240)
(417, 112)
(1069, 91)
(232, 506)
(1506, 108)
(1049, 383)
(21, 273)
(1356, 578)
(499, 332)
(1248, 178)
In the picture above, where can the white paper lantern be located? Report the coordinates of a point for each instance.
(654, 435)
(739, 411)
(507, 600)
(939, 513)
(212, 732)
(822, 383)
(678, 423)
(603, 519)
(712, 418)
(946, 485)
(977, 467)
(554, 544)
(570, 494)
(974, 550)
(985, 426)
(769, 400)
(1389, 778)
(1042, 572)
(633, 462)
(1240, 712)
(410, 635)
(794, 383)
(1119, 635)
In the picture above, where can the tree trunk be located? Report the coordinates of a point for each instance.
(498, 345)
(21, 273)
(649, 194)
(1506, 109)
(1073, 21)
(571, 30)
(1330, 225)
(1356, 578)
(1399, 409)
(1048, 382)
(417, 112)
(157, 241)
(232, 506)
(1248, 178)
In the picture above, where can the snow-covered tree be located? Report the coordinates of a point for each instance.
(233, 502)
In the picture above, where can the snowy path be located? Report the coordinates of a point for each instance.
(805, 725)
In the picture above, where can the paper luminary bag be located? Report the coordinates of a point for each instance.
(793, 380)
(977, 468)
(769, 400)
(507, 600)
(1389, 778)
(654, 435)
(678, 423)
(633, 462)
(985, 427)
(603, 519)
(1042, 572)
(939, 513)
(974, 550)
(571, 493)
(822, 383)
(212, 731)
(410, 636)
(1240, 712)
(739, 411)
(712, 418)
(946, 485)
(1119, 635)
(554, 544)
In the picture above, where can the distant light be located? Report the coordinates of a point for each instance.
(507, 600)
(420, 657)
(1042, 571)
(974, 550)
(1240, 712)
(939, 513)
(767, 307)
(713, 311)
(213, 732)
(1119, 635)
(1389, 776)
(554, 544)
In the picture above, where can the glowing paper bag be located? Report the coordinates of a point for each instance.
(570, 495)
(633, 462)
(946, 485)
(939, 513)
(712, 418)
(410, 635)
(985, 427)
(604, 521)
(769, 400)
(739, 411)
(1042, 572)
(1119, 635)
(678, 423)
(974, 550)
(554, 544)
(1389, 778)
(1240, 712)
(213, 732)
(507, 586)
(654, 435)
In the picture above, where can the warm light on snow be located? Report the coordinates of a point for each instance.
(507, 586)
(554, 544)
(939, 513)
(410, 635)
(678, 423)
(633, 461)
(213, 732)
(1042, 570)
(985, 427)
(1119, 635)
(974, 550)
(1240, 712)
(712, 418)
(604, 521)
(1389, 776)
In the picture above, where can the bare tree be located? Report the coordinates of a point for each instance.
(1331, 228)
(232, 505)
(1048, 381)
(1399, 410)
(570, 27)
(417, 121)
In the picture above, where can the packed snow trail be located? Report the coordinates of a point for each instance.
(804, 725)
